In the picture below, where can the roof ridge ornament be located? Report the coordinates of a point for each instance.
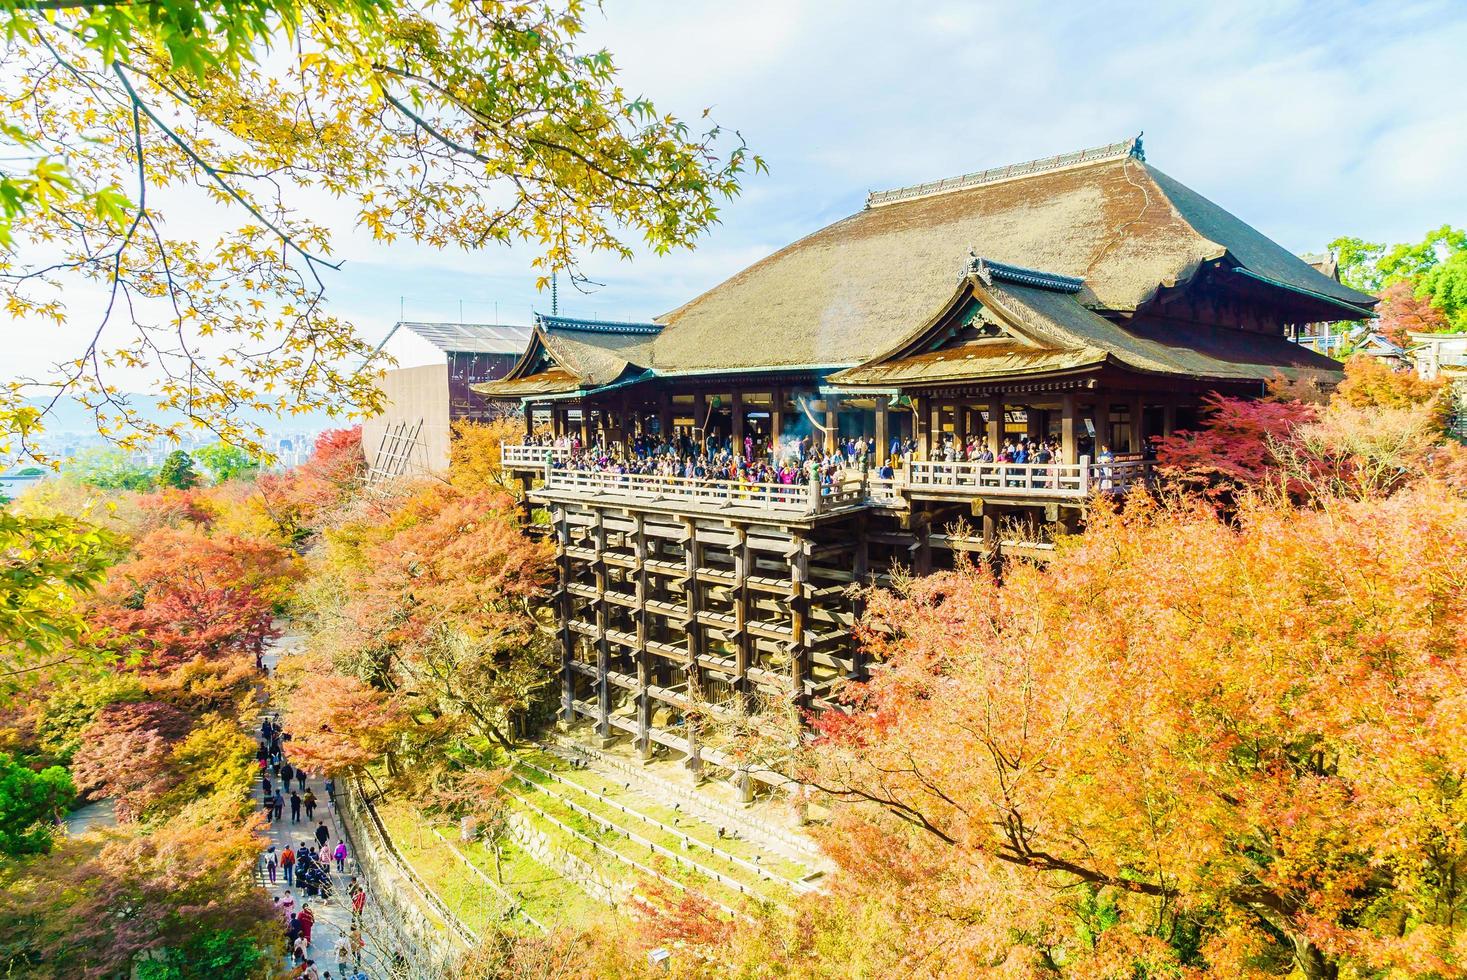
(988, 271)
(554, 321)
(1111, 151)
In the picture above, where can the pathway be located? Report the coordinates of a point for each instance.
(333, 916)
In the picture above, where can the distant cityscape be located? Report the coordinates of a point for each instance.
(70, 431)
(290, 446)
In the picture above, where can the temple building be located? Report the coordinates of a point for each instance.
(427, 389)
(1086, 299)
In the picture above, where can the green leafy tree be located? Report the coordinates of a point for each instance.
(1433, 269)
(1445, 287)
(31, 803)
(177, 471)
(455, 123)
(219, 954)
(46, 564)
(1358, 260)
(1412, 261)
(225, 462)
(109, 469)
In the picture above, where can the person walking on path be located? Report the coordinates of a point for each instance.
(287, 862)
(295, 807)
(310, 802)
(300, 777)
(286, 772)
(322, 834)
(340, 856)
(307, 919)
(279, 805)
(358, 900)
(272, 863)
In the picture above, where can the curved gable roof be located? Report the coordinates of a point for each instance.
(838, 297)
(567, 355)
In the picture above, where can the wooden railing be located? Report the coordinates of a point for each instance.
(647, 486)
(1029, 479)
(530, 457)
(1052, 480)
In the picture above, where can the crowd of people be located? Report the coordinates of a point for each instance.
(791, 460)
(308, 864)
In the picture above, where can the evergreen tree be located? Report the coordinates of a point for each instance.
(178, 471)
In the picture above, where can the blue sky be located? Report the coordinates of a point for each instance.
(1308, 120)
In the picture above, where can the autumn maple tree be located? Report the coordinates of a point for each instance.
(338, 724)
(1187, 745)
(96, 906)
(185, 593)
(435, 595)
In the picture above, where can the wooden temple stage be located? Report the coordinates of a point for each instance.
(1087, 299)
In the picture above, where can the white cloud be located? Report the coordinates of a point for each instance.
(1307, 120)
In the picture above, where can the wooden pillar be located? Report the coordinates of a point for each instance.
(743, 641)
(692, 591)
(776, 416)
(922, 423)
(1100, 417)
(529, 421)
(1169, 417)
(1069, 451)
(883, 433)
(736, 407)
(922, 545)
(960, 423)
(861, 572)
(644, 658)
(799, 605)
(603, 644)
(1138, 423)
(585, 426)
(700, 417)
(832, 423)
(995, 423)
(563, 608)
(1034, 422)
(664, 415)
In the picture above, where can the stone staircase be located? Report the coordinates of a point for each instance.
(647, 791)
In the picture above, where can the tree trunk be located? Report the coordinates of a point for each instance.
(1312, 961)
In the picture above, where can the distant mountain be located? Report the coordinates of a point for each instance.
(69, 415)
